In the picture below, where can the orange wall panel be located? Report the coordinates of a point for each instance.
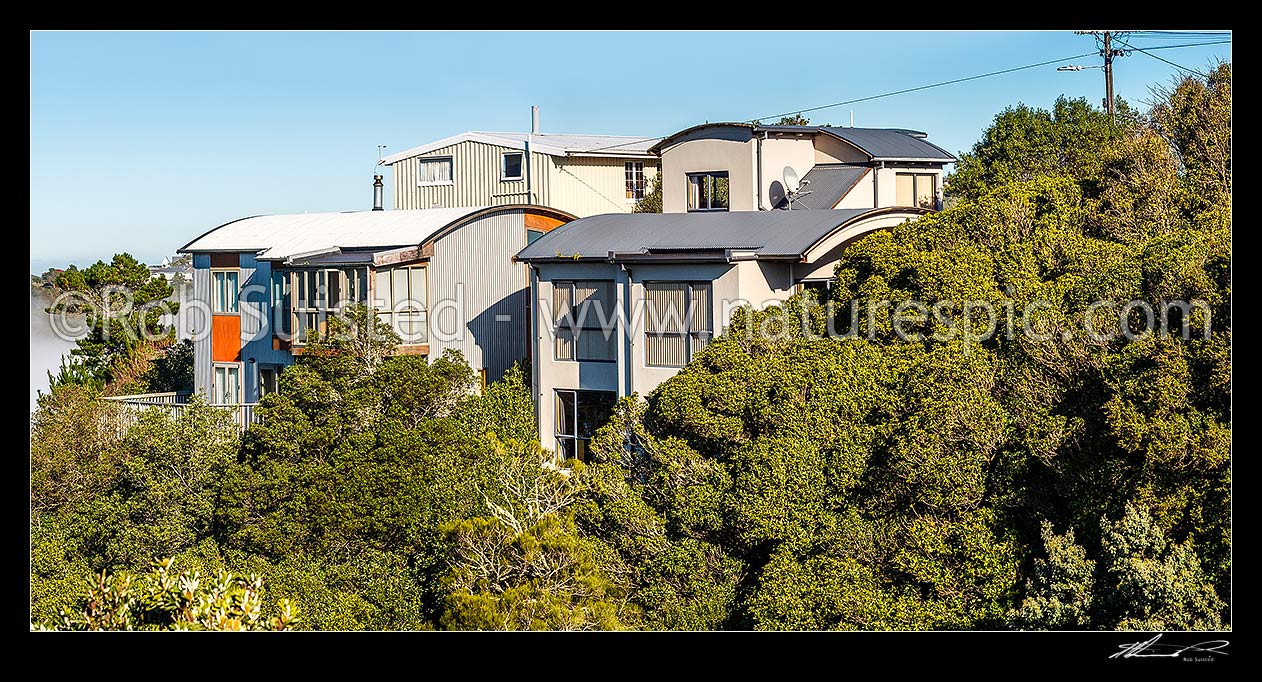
(225, 338)
(543, 223)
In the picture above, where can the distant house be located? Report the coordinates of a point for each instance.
(579, 174)
(744, 167)
(624, 301)
(442, 278)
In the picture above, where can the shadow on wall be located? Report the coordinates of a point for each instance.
(501, 333)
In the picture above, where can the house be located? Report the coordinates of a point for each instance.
(745, 167)
(442, 278)
(579, 174)
(624, 301)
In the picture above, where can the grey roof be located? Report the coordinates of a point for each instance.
(890, 144)
(882, 144)
(769, 234)
(829, 182)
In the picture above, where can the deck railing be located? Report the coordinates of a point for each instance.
(174, 404)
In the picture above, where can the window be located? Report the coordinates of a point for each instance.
(315, 294)
(510, 166)
(585, 315)
(635, 180)
(399, 295)
(916, 189)
(435, 171)
(267, 381)
(678, 322)
(707, 191)
(281, 309)
(578, 415)
(227, 388)
(226, 289)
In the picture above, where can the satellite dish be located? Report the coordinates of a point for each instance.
(791, 182)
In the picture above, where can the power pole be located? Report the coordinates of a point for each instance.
(1108, 73)
(1108, 52)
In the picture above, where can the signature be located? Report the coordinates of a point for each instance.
(1154, 649)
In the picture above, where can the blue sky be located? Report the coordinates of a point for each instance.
(141, 141)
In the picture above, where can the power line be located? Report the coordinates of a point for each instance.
(933, 85)
(1171, 47)
(923, 87)
(1183, 33)
(1162, 60)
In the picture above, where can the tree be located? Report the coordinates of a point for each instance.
(165, 600)
(505, 408)
(793, 120)
(1060, 592)
(1025, 143)
(172, 371)
(1153, 584)
(652, 202)
(525, 567)
(122, 306)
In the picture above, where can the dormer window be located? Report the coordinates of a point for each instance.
(510, 166)
(708, 191)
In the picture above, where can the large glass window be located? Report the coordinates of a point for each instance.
(578, 415)
(226, 288)
(281, 308)
(678, 321)
(401, 298)
(708, 191)
(227, 388)
(916, 189)
(267, 380)
(510, 166)
(585, 317)
(635, 180)
(435, 171)
(315, 294)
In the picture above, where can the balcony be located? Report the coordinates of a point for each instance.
(174, 404)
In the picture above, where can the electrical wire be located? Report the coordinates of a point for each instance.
(954, 81)
(885, 94)
(1128, 45)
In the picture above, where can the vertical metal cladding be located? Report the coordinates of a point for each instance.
(580, 185)
(588, 186)
(475, 176)
(473, 266)
(256, 324)
(199, 320)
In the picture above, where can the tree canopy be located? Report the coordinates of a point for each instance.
(916, 473)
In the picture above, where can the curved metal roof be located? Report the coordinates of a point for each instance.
(769, 235)
(880, 144)
(277, 237)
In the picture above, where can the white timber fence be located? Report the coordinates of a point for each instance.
(174, 404)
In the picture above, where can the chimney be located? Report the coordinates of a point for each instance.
(534, 120)
(376, 193)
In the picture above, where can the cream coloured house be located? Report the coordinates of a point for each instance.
(744, 167)
(622, 302)
(579, 174)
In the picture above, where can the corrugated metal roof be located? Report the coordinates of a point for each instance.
(556, 144)
(889, 144)
(769, 234)
(829, 182)
(276, 237)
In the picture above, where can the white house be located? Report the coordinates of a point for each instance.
(579, 174)
(744, 167)
(622, 302)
